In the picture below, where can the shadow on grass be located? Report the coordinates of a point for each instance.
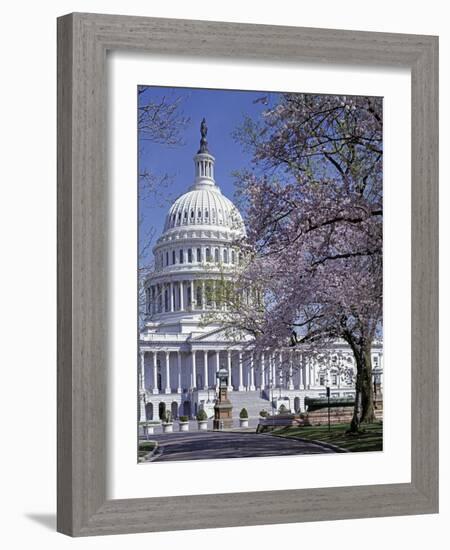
(369, 439)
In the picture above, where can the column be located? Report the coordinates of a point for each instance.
(307, 374)
(230, 385)
(171, 297)
(240, 387)
(142, 414)
(205, 361)
(179, 372)
(300, 370)
(181, 296)
(262, 370)
(273, 371)
(193, 297)
(281, 373)
(252, 373)
(155, 372)
(291, 380)
(194, 372)
(217, 369)
(203, 295)
(142, 372)
(167, 389)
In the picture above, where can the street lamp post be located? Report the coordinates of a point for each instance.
(328, 397)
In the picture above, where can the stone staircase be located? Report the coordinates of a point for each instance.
(251, 400)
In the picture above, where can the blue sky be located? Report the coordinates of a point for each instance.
(224, 111)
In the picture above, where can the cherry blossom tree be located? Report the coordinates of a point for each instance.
(161, 121)
(312, 205)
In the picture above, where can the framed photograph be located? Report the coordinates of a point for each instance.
(247, 274)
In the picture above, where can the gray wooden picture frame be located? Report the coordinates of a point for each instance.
(83, 42)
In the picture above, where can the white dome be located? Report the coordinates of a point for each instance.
(204, 206)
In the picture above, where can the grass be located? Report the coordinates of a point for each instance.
(369, 439)
(146, 447)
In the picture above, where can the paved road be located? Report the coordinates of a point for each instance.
(211, 445)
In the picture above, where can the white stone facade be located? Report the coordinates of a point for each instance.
(180, 356)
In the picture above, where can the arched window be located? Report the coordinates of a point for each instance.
(208, 255)
(190, 255)
(166, 300)
(199, 296)
(225, 256)
(233, 259)
(216, 255)
(174, 257)
(206, 213)
(167, 258)
(181, 256)
(192, 214)
(199, 255)
(149, 411)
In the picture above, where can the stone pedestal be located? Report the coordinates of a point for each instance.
(223, 408)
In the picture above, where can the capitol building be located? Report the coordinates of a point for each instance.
(180, 354)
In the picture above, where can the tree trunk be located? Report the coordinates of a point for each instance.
(363, 411)
(368, 412)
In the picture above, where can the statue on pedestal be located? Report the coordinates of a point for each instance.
(223, 408)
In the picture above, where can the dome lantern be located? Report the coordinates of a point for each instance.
(204, 162)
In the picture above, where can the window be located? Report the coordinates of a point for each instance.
(216, 255)
(199, 255)
(199, 214)
(174, 257)
(192, 214)
(167, 258)
(190, 255)
(334, 379)
(322, 380)
(208, 255)
(181, 256)
(206, 213)
(225, 256)
(199, 296)
(179, 216)
(233, 259)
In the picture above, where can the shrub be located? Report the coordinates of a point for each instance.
(243, 413)
(167, 418)
(315, 403)
(201, 415)
(184, 418)
(282, 409)
(263, 413)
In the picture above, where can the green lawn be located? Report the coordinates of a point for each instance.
(145, 447)
(370, 439)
